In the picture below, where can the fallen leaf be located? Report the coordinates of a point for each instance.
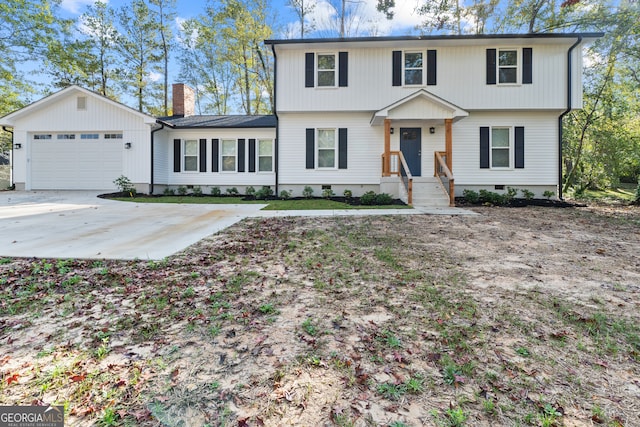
(78, 378)
(12, 379)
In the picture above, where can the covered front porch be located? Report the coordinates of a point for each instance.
(419, 123)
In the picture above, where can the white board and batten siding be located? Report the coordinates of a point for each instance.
(87, 164)
(540, 150)
(461, 78)
(165, 159)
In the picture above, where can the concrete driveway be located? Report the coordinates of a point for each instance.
(78, 224)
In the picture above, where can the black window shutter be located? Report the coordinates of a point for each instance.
(397, 68)
(311, 146)
(215, 153)
(519, 154)
(252, 155)
(484, 147)
(343, 69)
(203, 155)
(240, 155)
(431, 67)
(491, 66)
(309, 69)
(342, 148)
(176, 155)
(527, 63)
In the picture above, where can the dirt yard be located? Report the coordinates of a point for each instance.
(514, 317)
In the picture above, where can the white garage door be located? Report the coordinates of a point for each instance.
(75, 161)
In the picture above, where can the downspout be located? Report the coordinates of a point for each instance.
(567, 111)
(152, 156)
(11, 183)
(275, 109)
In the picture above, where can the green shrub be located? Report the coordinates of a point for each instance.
(509, 195)
(169, 192)
(471, 196)
(197, 191)
(368, 198)
(264, 192)
(215, 191)
(549, 194)
(528, 195)
(307, 193)
(347, 194)
(182, 190)
(233, 191)
(637, 196)
(125, 185)
(327, 193)
(284, 194)
(250, 191)
(383, 199)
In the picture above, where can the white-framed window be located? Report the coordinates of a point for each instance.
(326, 72)
(507, 66)
(112, 136)
(42, 136)
(326, 148)
(190, 155)
(413, 68)
(89, 136)
(66, 136)
(265, 155)
(500, 147)
(229, 155)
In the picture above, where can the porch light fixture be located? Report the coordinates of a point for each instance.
(432, 130)
(17, 146)
(127, 145)
(391, 131)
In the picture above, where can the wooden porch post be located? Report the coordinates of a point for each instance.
(448, 138)
(386, 165)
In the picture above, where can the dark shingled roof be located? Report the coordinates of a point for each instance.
(266, 121)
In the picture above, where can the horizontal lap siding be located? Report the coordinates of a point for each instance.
(541, 149)
(210, 178)
(365, 145)
(460, 80)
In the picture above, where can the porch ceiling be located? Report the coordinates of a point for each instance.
(420, 105)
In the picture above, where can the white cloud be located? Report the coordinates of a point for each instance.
(75, 6)
(154, 77)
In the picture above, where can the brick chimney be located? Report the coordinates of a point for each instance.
(184, 101)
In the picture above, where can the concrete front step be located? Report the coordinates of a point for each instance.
(428, 191)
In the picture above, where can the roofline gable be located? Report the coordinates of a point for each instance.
(9, 119)
(456, 112)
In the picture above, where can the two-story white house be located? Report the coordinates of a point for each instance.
(390, 113)
(421, 118)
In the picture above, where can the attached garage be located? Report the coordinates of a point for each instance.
(75, 161)
(76, 139)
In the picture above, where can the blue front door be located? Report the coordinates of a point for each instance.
(411, 147)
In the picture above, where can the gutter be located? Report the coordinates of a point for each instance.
(152, 155)
(11, 183)
(275, 109)
(564, 113)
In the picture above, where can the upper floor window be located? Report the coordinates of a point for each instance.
(413, 68)
(190, 156)
(81, 103)
(507, 66)
(326, 70)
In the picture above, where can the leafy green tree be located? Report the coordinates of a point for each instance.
(141, 52)
(163, 12)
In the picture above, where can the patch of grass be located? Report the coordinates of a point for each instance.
(310, 327)
(625, 193)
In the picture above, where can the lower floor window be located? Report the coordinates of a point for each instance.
(265, 155)
(190, 156)
(326, 148)
(229, 155)
(500, 147)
